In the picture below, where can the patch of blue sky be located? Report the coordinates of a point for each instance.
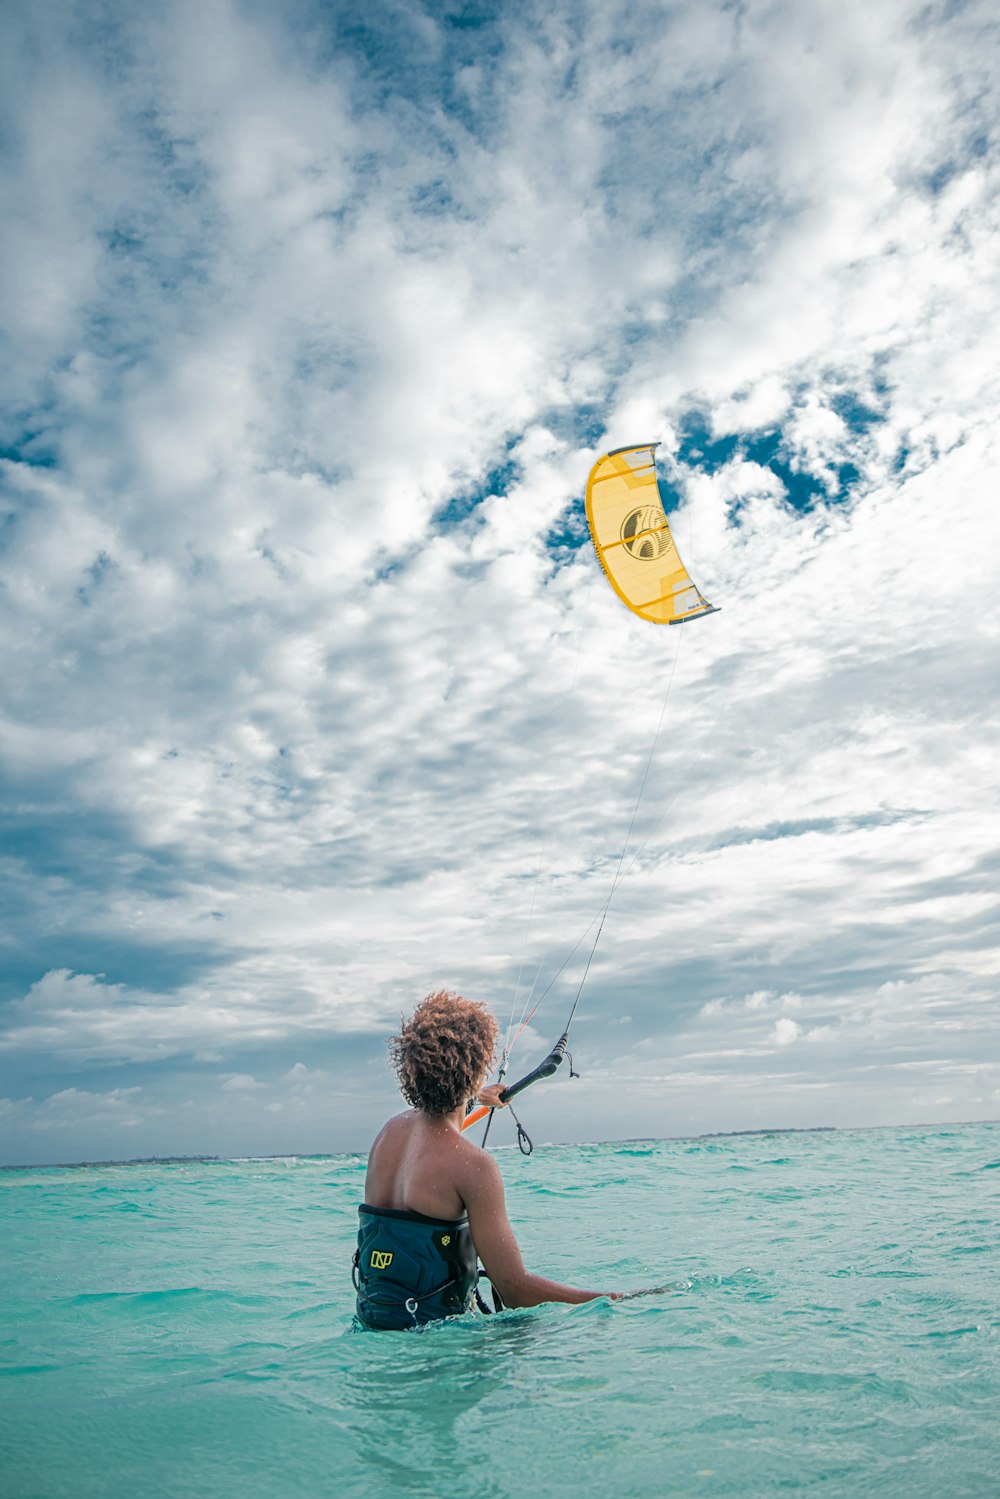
(587, 423)
(33, 447)
(569, 533)
(975, 147)
(99, 33)
(818, 967)
(122, 240)
(386, 571)
(857, 414)
(435, 198)
(798, 828)
(677, 988)
(122, 342)
(802, 489)
(498, 482)
(700, 449)
(982, 876)
(36, 1073)
(149, 966)
(397, 56)
(187, 173)
(580, 424)
(141, 274)
(157, 266)
(697, 448)
(87, 850)
(327, 364)
(162, 243)
(700, 180)
(268, 1060)
(94, 575)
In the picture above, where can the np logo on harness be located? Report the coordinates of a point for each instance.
(380, 1260)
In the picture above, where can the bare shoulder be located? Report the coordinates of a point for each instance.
(387, 1148)
(478, 1174)
(393, 1129)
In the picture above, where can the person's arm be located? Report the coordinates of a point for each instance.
(482, 1192)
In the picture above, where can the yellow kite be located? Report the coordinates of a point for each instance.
(629, 530)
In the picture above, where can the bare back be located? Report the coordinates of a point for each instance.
(417, 1165)
(424, 1164)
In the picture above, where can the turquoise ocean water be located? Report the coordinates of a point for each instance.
(832, 1327)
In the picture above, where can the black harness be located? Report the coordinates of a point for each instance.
(410, 1269)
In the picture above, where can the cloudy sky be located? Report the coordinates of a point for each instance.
(314, 698)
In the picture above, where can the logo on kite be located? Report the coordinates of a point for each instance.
(645, 533)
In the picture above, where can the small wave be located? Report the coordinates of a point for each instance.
(166, 1296)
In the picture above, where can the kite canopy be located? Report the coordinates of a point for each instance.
(629, 530)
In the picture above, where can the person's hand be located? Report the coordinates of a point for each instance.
(490, 1096)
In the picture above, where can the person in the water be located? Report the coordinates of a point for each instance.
(434, 1201)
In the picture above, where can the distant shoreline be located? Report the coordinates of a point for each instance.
(308, 1155)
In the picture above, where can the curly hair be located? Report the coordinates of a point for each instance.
(442, 1051)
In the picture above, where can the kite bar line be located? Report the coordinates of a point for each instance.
(678, 788)
(550, 1064)
(520, 1022)
(472, 1119)
(524, 1017)
(635, 812)
(510, 1038)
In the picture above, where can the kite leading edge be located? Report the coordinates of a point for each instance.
(629, 529)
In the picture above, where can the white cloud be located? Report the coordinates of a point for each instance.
(240, 1082)
(74, 1109)
(785, 1032)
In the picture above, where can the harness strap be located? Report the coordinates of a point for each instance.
(498, 1305)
